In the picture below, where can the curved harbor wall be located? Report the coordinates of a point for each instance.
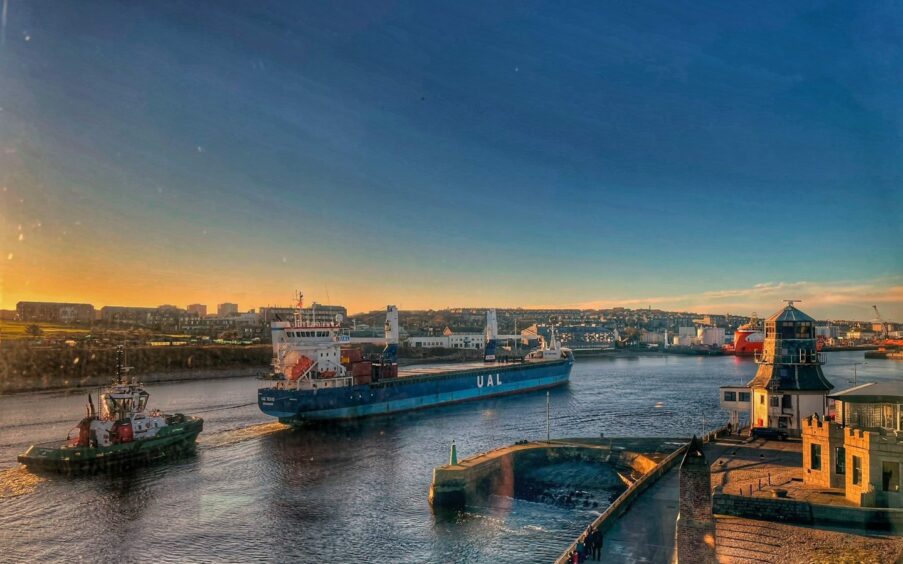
(496, 472)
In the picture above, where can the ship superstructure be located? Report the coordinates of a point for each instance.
(319, 375)
(749, 338)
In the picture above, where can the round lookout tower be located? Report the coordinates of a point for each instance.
(789, 384)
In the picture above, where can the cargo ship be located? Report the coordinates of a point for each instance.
(318, 374)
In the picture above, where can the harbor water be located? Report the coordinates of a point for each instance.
(355, 491)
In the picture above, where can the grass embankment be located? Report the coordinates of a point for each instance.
(18, 330)
(25, 366)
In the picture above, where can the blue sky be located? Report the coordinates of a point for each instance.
(439, 153)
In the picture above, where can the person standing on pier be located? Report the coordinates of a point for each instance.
(581, 550)
(597, 543)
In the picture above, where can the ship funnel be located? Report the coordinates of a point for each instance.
(390, 353)
(492, 335)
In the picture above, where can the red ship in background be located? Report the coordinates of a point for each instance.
(748, 338)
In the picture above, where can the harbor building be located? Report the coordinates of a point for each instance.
(789, 384)
(862, 450)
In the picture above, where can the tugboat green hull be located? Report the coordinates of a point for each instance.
(170, 442)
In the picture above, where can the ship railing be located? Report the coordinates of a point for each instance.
(340, 382)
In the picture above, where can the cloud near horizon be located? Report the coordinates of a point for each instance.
(847, 300)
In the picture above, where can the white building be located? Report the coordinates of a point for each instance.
(453, 341)
(710, 336)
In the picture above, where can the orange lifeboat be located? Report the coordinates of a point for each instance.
(299, 368)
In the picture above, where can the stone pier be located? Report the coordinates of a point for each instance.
(473, 479)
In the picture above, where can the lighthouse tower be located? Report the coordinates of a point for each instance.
(789, 385)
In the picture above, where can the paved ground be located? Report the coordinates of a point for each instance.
(758, 467)
(747, 540)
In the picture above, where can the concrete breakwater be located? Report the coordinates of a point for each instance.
(508, 471)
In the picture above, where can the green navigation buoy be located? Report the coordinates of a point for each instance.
(453, 458)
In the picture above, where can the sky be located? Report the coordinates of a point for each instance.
(697, 156)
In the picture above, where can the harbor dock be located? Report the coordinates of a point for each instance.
(497, 472)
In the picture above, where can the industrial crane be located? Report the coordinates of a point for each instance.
(882, 322)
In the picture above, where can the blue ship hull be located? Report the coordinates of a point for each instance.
(412, 392)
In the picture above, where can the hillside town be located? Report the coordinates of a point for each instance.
(454, 328)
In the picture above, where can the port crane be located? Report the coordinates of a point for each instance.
(883, 323)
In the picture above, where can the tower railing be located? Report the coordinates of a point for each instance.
(804, 357)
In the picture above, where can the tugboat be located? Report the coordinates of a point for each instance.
(122, 435)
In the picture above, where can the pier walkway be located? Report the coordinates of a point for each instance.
(646, 532)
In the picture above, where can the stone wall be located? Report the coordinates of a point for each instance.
(804, 513)
(784, 510)
(695, 527)
(626, 499)
(873, 450)
(829, 437)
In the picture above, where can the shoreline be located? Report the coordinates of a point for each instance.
(148, 378)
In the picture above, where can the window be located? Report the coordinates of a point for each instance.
(815, 457)
(787, 401)
(730, 396)
(890, 476)
(888, 416)
(744, 396)
(762, 399)
(804, 330)
(857, 470)
(775, 401)
(840, 460)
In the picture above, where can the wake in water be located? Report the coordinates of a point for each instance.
(240, 434)
(17, 481)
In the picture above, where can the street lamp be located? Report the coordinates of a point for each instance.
(855, 364)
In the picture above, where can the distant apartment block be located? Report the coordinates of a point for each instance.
(226, 310)
(127, 314)
(55, 312)
(199, 310)
(319, 313)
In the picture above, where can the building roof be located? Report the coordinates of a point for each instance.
(790, 313)
(881, 392)
(791, 378)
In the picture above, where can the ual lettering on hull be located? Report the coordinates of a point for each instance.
(490, 380)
